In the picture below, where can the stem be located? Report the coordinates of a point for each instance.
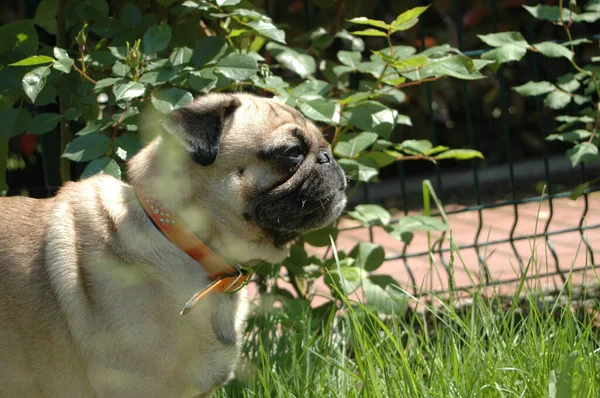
(417, 82)
(82, 73)
(579, 69)
(205, 28)
(296, 286)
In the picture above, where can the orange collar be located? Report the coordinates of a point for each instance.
(226, 279)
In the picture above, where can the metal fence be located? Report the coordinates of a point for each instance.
(481, 204)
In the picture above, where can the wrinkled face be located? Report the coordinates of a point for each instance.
(268, 167)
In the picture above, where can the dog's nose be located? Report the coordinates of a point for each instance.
(323, 156)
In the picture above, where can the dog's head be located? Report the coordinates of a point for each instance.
(258, 170)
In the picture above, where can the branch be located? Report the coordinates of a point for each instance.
(82, 73)
(416, 83)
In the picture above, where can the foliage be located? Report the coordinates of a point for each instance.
(536, 346)
(111, 68)
(579, 89)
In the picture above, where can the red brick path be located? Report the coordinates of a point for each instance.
(500, 258)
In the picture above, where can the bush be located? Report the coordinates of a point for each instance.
(112, 63)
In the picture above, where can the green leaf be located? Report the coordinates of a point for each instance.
(72, 114)
(557, 99)
(158, 77)
(554, 50)
(552, 13)
(421, 223)
(167, 100)
(415, 147)
(156, 38)
(237, 66)
(95, 126)
(460, 154)
(63, 62)
(503, 38)
(531, 89)
(351, 145)
(297, 260)
(397, 96)
(222, 3)
(300, 63)
(20, 37)
(568, 82)
(401, 234)
(181, 56)
(130, 16)
(371, 215)
(348, 280)
(380, 159)
(577, 42)
(546, 13)
(458, 66)
(573, 119)
(34, 60)
(128, 91)
(368, 256)
(42, 123)
(310, 88)
(272, 83)
(120, 69)
(103, 165)
(584, 152)
(351, 42)
(203, 81)
(266, 28)
(552, 385)
(403, 231)
(363, 170)
(349, 58)
(100, 84)
(571, 378)
(404, 63)
(87, 147)
(320, 109)
(435, 150)
(505, 53)
(408, 19)
(382, 295)
(571, 136)
(371, 22)
(14, 121)
(580, 189)
(127, 145)
(320, 237)
(34, 82)
(369, 32)
(373, 116)
(593, 6)
(403, 119)
(45, 15)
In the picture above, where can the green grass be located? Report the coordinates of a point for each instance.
(528, 345)
(477, 351)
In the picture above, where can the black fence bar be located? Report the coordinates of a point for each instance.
(579, 229)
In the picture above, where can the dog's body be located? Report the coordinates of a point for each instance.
(90, 290)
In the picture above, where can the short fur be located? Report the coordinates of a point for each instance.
(90, 290)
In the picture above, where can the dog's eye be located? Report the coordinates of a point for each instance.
(293, 151)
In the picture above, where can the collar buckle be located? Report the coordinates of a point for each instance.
(241, 279)
(226, 283)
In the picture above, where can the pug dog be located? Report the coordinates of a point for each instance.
(91, 290)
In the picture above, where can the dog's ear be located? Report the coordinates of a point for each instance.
(199, 125)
